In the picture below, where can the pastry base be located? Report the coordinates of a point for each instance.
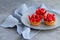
(35, 23)
(49, 23)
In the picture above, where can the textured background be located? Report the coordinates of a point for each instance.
(7, 7)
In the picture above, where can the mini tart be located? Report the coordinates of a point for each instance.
(41, 11)
(35, 20)
(49, 19)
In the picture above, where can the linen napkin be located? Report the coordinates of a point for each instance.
(26, 32)
(9, 22)
(15, 19)
(44, 6)
(56, 11)
(49, 8)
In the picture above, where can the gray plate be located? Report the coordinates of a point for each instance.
(26, 22)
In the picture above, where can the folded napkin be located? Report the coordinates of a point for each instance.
(15, 19)
(10, 22)
(26, 32)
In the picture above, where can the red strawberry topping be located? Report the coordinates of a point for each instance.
(49, 17)
(35, 18)
(41, 11)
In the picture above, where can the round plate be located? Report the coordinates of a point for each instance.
(26, 21)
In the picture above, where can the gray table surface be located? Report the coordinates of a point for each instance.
(7, 7)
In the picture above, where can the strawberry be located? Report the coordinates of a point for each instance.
(29, 17)
(50, 19)
(45, 17)
(40, 17)
(43, 11)
(32, 20)
(38, 12)
(32, 16)
(53, 18)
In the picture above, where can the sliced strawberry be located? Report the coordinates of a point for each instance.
(38, 12)
(40, 16)
(29, 17)
(45, 17)
(50, 19)
(53, 18)
(37, 20)
(32, 16)
(32, 20)
(43, 11)
(36, 16)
